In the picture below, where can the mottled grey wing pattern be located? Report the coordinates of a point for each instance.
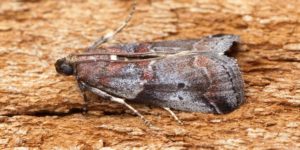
(203, 80)
(177, 83)
(195, 83)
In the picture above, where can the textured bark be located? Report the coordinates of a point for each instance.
(42, 110)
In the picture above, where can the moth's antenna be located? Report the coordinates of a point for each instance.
(110, 35)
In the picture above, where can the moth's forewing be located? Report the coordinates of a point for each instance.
(206, 81)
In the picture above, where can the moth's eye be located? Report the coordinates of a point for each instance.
(67, 69)
(63, 67)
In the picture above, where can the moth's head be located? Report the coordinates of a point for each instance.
(64, 66)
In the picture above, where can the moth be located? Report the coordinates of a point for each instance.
(190, 75)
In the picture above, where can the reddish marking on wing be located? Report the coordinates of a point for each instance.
(202, 61)
(111, 70)
(148, 75)
(115, 67)
(143, 64)
(142, 48)
(104, 81)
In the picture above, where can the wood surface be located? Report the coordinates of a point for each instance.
(43, 110)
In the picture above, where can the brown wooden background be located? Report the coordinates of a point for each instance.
(41, 110)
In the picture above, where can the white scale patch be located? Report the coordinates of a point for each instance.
(113, 57)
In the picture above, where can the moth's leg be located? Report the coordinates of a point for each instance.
(116, 99)
(86, 102)
(122, 101)
(83, 93)
(173, 115)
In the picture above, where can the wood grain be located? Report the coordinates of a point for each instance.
(42, 110)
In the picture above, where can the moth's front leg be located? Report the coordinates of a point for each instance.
(114, 99)
(86, 101)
